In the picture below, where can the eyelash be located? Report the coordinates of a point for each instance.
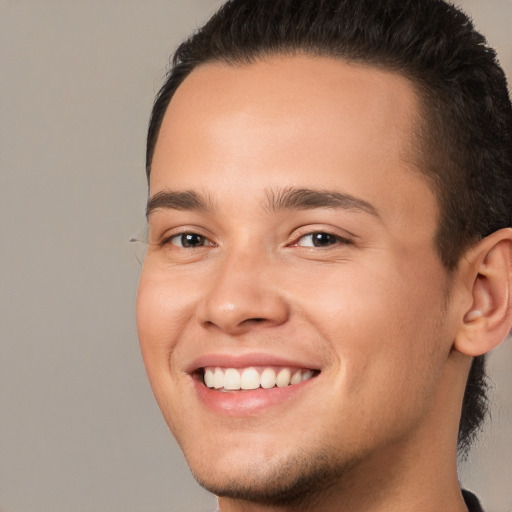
(168, 240)
(331, 241)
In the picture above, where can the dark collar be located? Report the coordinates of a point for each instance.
(472, 502)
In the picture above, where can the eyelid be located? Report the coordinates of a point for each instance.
(166, 238)
(336, 239)
(343, 235)
(165, 223)
(164, 227)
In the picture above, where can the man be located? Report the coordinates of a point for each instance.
(330, 252)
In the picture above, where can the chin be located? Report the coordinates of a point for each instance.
(287, 481)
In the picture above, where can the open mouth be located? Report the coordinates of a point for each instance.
(254, 377)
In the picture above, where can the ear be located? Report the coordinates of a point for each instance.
(488, 271)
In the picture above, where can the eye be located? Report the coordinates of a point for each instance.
(188, 241)
(321, 239)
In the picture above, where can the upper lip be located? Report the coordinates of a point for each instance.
(247, 360)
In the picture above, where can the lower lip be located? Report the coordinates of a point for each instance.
(247, 402)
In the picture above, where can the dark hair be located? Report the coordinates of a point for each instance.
(464, 138)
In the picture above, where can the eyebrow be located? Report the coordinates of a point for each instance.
(186, 200)
(289, 198)
(309, 199)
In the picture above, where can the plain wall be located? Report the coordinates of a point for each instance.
(79, 428)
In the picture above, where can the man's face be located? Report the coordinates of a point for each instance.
(292, 236)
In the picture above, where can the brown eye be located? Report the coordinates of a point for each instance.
(320, 239)
(189, 240)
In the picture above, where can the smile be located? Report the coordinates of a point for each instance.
(235, 379)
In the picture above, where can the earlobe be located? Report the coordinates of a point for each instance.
(486, 323)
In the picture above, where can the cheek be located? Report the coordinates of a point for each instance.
(387, 353)
(159, 321)
(162, 308)
(382, 325)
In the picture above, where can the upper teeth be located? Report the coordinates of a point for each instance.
(232, 379)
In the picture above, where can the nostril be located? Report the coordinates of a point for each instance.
(254, 321)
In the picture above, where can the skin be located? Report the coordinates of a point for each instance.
(374, 310)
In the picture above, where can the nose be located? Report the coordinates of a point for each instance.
(243, 295)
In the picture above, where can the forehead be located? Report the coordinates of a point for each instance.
(289, 97)
(300, 121)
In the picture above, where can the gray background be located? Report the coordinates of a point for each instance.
(79, 429)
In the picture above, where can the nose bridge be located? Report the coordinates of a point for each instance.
(243, 292)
